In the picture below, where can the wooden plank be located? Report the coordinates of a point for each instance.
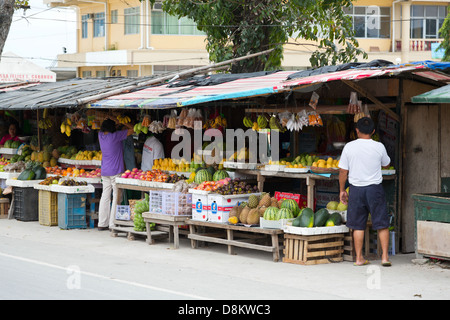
(231, 242)
(371, 97)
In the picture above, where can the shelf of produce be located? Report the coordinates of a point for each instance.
(173, 223)
(309, 177)
(88, 164)
(235, 236)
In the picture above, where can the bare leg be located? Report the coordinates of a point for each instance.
(358, 238)
(383, 234)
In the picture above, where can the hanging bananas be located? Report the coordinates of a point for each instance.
(247, 122)
(262, 122)
(66, 127)
(123, 119)
(45, 123)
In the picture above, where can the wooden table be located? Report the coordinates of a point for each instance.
(309, 177)
(173, 222)
(248, 234)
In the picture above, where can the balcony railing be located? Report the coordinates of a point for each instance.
(418, 44)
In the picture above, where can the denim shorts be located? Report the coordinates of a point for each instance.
(364, 200)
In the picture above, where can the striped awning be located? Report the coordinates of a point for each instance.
(166, 96)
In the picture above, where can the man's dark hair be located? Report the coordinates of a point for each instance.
(365, 125)
(108, 126)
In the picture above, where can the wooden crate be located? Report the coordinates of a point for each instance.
(313, 249)
(4, 208)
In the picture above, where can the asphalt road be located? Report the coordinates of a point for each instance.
(47, 263)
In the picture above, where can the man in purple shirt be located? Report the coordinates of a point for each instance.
(112, 166)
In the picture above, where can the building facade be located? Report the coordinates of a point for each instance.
(118, 38)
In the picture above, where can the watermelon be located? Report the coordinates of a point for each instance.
(321, 217)
(8, 144)
(284, 213)
(219, 175)
(306, 219)
(270, 213)
(292, 205)
(202, 176)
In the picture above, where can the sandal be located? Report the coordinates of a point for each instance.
(363, 264)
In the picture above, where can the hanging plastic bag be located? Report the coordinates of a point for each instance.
(314, 100)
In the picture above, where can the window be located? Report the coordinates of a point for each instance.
(86, 74)
(99, 24)
(114, 16)
(370, 22)
(84, 26)
(163, 69)
(132, 20)
(100, 74)
(132, 73)
(163, 23)
(426, 21)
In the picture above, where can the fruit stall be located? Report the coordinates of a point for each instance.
(239, 199)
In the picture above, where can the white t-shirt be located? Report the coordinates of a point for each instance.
(153, 149)
(364, 159)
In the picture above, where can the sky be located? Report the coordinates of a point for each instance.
(40, 33)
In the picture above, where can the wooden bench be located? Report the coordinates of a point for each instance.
(164, 222)
(235, 236)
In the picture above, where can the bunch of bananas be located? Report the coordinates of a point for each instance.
(44, 123)
(215, 123)
(358, 116)
(262, 122)
(66, 127)
(247, 122)
(336, 129)
(123, 119)
(275, 124)
(255, 126)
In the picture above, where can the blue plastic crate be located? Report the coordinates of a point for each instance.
(72, 211)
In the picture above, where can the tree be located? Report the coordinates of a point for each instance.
(7, 8)
(445, 34)
(235, 28)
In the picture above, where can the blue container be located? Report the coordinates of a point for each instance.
(72, 211)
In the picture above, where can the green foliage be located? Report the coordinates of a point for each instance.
(445, 34)
(240, 27)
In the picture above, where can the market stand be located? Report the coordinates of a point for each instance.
(172, 100)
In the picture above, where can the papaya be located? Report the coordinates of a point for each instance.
(321, 217)
(335, 219)
(306, 219)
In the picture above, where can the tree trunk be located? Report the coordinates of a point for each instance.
(6, 15)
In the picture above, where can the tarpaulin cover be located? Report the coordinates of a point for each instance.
(440, 95)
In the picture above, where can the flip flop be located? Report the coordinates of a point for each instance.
(363, 264)
(386, 264)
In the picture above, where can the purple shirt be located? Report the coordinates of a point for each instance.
(112, 152)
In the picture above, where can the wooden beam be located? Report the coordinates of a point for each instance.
(367, 94)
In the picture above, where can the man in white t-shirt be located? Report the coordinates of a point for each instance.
(153, 149)
(360, 163)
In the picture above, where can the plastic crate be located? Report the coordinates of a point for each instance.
(26, 202)
(177, 203)
(72, 211)
(48, 208)
(155, 201)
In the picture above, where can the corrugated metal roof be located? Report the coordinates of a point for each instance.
(62, 94)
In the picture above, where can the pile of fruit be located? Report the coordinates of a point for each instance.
(72, 183)
(50, 180)
(321, 218)
(95, 173)
(329, 163)
(173, 178)
(235, 186)
(87, 155)
(263, 206)
(33, 171)
(139, 174)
